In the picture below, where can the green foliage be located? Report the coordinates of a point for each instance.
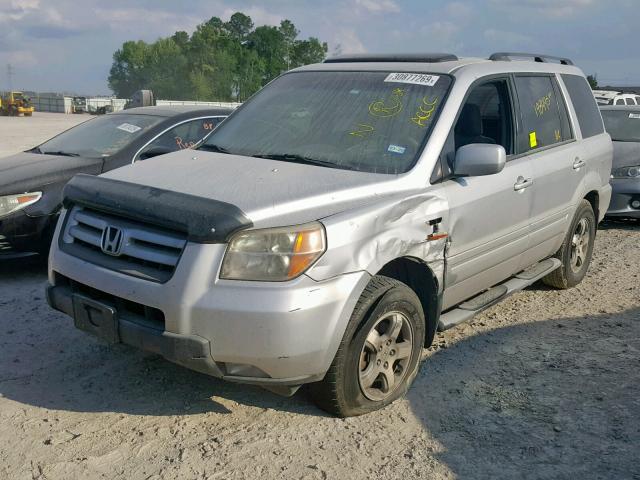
(593, 81)
(224, 61)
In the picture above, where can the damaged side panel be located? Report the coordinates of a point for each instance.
(413, 224)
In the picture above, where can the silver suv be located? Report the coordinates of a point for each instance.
(332, 223)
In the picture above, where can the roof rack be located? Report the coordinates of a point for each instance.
(507, 56)
(393, 57)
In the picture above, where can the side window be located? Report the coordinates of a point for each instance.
(485, 117)
(543, 114)
(629, 101)
(183, 136)
(620, 101)
(584, 104)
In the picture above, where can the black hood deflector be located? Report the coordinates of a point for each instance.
(203, 220)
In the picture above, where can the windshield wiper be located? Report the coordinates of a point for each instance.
(61, 153)
(289, 157)
(209, 147)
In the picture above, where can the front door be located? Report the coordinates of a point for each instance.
(489, 215)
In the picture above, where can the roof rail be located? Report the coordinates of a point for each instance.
(394, 57)
(507, 56)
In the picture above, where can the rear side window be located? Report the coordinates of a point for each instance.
(543, 113)
(583, 102)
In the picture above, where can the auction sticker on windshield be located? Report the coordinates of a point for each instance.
(414, 78)
(127, 127)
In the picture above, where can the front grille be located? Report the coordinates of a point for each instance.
(144, 251)
(135, 312)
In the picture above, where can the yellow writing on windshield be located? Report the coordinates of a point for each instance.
(388, 107)
(363, 130)
(425, 111)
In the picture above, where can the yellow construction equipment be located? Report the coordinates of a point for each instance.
(14, 104)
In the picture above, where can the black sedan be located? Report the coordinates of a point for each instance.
(31, 182)
(623, 124)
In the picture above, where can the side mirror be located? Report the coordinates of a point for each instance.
(479, 159)
(154, 152)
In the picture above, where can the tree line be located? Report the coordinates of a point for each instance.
(220, 61)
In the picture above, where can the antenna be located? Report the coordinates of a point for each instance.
(10, 73)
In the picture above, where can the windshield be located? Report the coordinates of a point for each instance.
(622, 125)
(365, 121)
(101, 137)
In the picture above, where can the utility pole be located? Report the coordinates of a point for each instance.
(10, 74)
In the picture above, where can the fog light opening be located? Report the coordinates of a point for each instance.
(635, 204)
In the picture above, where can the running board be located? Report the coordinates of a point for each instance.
(490, 297)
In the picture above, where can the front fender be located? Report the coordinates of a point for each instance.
(367, 238)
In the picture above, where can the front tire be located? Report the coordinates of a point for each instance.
(576, 250)
(379, 354)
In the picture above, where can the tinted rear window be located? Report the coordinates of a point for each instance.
(585, 105)
(622, 125)
(543, 117)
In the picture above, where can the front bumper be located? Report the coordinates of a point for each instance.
(270, 334)
(624, 191)
(24, 233)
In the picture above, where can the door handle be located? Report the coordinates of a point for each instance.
(522, 183)
(578, 163)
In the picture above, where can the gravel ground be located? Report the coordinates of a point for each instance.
(543, 385)
(20, 133)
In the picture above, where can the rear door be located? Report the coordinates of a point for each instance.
(546, 139)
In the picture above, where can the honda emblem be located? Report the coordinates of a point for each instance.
(112, 238)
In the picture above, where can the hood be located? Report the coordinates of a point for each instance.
(31, 171)
(626, 154)
(269, 192)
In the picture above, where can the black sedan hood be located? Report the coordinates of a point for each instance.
(626, 154)
(31, 171)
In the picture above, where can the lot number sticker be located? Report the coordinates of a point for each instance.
(127, 127)
(414, 78)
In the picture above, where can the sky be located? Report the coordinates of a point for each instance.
(67, 45)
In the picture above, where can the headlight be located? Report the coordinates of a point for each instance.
(13, 203)
(273, 254)
(626, 172)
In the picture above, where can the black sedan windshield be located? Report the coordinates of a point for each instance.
(366, 121)
(622, 125)
(100, 137)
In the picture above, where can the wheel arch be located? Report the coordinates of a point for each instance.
(593, 197)
(418, 276)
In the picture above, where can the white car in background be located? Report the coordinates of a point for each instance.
(612, 97)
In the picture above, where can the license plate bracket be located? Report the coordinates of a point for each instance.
(96, 318)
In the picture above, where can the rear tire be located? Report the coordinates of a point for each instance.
(575, 252)
(379, 354)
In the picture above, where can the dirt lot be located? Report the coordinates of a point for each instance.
(544, 385)
(20, 133)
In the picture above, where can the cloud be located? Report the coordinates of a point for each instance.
(258, 14)
(17, 9)
(378, 6)
(507, 40)
(548, 8)
(347, 41)
(459, 10)
(156, 22)
(443, 35)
